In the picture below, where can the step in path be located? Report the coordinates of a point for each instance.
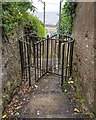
(48, 101)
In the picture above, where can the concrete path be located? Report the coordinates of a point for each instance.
(48, 101)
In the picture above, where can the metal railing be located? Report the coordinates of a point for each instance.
(46, 55)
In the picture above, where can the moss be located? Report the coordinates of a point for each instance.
(79, 92)
(80, 98)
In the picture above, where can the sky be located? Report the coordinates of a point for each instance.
(51, 10)
(51, 5)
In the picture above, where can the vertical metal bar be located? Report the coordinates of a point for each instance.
(54, 51)
(28, 52)
(40, 59)
(59, 52)
(37, 61)
(32, 49)
(24, 60)
(66, 69)
(71, 57)
(27, 75)
(51, 53)
(47, 52)
(31, 59)
(42, 55)
(54, 54)
(27, 59)
(62, 70)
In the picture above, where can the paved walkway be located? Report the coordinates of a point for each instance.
(48, 101)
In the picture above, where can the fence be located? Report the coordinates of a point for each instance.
(46, 55)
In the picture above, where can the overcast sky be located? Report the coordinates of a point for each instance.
(51, 5)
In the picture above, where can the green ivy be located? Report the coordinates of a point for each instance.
(15, 14)
(68, 13)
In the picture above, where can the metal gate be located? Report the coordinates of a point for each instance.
(46, 55)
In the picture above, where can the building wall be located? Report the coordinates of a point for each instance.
(83, 32)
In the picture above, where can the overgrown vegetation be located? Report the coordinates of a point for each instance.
(68, 13)
(35, 26)
(15, 14)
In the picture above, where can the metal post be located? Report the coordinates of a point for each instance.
(71, 57)
(29, 59)
(40, 59)
(59, 16)
(47, 52)
(44, 12)
(44, 15)
(59, 52)
(62, 74)
(37, 62)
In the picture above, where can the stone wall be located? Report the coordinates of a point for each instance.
(0, 72)
(11, 77)
(83, 32)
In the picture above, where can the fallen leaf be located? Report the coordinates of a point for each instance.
(15, 105)
(71, 82)
(38, 113)
(17, 114)
(65, 91)
(24, 99)
(16, 101)
(76, 110)
(18, 107)
(35, 86)
(70, 78)
(12, 113)
(4, 116)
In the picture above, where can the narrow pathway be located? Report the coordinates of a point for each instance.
(48, 101)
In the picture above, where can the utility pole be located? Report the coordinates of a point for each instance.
(44, 11)
(44, 14)
(59, 16)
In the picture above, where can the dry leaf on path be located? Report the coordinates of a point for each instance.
(76, 110)
(4, 116)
